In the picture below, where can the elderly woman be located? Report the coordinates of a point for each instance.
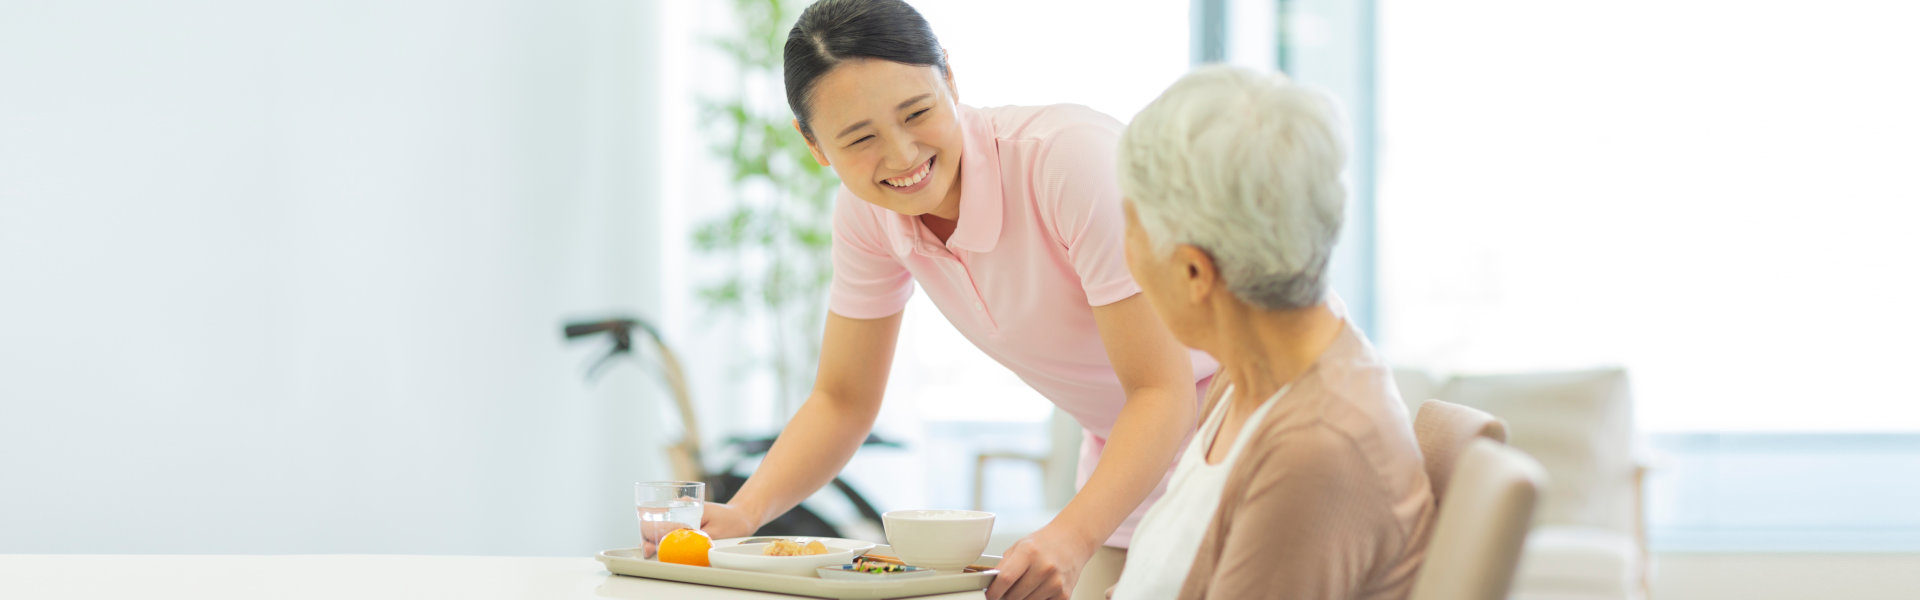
(1304, 481)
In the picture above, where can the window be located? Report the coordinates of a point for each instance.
(1717, 195)
(1713, 194)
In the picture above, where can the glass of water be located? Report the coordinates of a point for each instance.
(665, 506)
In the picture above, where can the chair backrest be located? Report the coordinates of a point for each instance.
(1482, 525)
(1444, 430)
(1579, 425)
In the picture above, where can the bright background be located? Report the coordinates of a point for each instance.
(287, 277)
(1717, 195)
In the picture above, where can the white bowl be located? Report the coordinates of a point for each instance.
(944, 540)
(752, 557)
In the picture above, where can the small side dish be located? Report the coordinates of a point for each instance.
(868, 570)
(881, 567)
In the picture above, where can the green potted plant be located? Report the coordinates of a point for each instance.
(778, 231)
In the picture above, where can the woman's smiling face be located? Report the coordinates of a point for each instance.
(892, 133)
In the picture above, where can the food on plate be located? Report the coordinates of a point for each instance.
(884, 568)
(785, 547)
(686, 547)
(879, 567)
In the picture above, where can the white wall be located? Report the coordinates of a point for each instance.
(288, 276)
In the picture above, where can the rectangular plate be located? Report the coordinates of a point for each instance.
(627, 561)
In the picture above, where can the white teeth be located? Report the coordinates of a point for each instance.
(908, 181)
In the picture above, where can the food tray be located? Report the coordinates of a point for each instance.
(628, 561)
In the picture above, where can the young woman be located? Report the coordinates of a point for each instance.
(1010, 219)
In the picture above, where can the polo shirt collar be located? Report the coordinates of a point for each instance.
(981, 206)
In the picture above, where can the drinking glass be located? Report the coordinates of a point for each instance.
(665, 506)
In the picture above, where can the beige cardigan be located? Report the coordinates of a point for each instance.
(1330, 499)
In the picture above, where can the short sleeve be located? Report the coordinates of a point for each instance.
(868, 282)
(1079, 187)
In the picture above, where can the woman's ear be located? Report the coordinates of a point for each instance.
(955, 89)
(813, 148)
(1202, 276)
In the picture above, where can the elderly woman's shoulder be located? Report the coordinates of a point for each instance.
(1351, 367)
(1358, 437)
(1359, 394)
(1350, 392)
(1353, 412)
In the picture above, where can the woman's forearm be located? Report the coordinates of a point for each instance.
(1151, 428)
(855, 357)
(811, 450)
(1157, 374)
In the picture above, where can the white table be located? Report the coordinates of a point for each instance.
(340, 576)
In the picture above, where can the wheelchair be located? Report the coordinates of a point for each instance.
(685, 455)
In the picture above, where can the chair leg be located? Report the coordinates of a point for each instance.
(980, 472)
(1640, 531)
(980, 481)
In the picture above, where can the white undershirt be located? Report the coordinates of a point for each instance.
(1169, 535)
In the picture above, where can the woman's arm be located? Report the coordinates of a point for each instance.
(855, 358)
(1157, 374)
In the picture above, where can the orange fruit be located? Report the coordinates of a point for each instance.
(686, 547)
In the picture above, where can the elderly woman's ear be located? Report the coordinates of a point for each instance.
(1203, 279)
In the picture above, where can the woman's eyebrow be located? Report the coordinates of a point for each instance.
(903, 106)
(853, 127)
(911, 101)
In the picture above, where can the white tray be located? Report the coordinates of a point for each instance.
(628, 561)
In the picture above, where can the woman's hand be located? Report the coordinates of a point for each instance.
(721, 521)
(1043, 566)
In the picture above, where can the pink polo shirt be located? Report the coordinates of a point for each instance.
(1039, 243)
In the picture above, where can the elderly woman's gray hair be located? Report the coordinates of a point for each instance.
(1245, 166)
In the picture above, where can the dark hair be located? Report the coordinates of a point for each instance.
(832, 31)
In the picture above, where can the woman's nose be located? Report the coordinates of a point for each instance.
(904, 151)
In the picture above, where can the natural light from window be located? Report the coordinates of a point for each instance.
(1718, 195)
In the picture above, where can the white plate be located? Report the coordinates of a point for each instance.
(751, 556)
(830, 541)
